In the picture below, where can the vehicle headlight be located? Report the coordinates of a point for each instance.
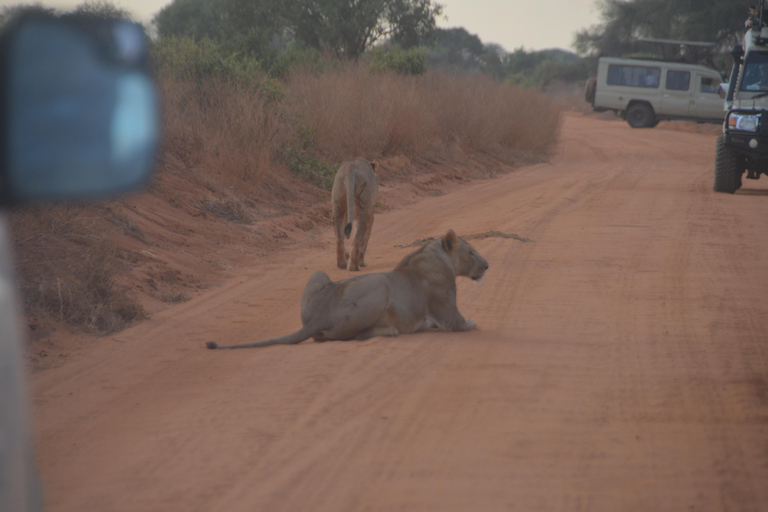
(747, 123)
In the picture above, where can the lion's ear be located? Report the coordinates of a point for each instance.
(450, 240)
(374, 164)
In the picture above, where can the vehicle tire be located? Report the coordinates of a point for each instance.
(729, 166)
(589, 90)
(641, 115)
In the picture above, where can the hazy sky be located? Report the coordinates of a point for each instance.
(532, 24)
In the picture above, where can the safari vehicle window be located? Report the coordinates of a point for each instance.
(633, 76)
(755, 72)
(678, 80)
(709, 85)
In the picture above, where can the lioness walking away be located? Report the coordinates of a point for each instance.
(418, 294)
(353, 196)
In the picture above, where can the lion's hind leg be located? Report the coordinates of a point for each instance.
(339, 218)
(360, 243)
(365, 238)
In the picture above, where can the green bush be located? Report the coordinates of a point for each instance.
(295, 56)
(203, 60)
(311, 168)
(405, 62)
(549, 71)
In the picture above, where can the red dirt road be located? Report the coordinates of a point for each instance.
(620, 362)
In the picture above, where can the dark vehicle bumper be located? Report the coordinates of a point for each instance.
(750, 144)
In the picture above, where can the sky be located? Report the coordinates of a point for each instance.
(531, 24)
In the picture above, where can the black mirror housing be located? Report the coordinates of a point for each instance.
(79, 112)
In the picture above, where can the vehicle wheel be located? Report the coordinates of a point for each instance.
(589, 90)
(640, 115)
(729, 166)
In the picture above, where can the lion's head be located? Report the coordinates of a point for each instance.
(466, 261)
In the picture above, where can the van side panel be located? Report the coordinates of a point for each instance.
(674, 90)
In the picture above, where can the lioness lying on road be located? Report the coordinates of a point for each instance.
(353, 196)
(418, 294)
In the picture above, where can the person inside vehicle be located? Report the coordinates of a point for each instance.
(753, 21)
(756, 77)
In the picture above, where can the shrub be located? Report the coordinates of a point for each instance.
(405, 62)
(311, 168)
(226, 127)
(352, 112)
(296, 56)
(202, 61)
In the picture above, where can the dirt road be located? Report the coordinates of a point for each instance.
(620, 362)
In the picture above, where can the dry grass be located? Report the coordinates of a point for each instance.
(227, 208)
(239, 132)
(231, 130)
(351, 111)
(120, 219)
(483, 116)
(67, 270)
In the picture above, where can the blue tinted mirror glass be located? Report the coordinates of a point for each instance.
(82, 114)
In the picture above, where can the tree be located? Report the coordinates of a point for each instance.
(457, 47)
(346, 27)
(350, 27)
(101, 9)
(196, 19)
(625, 21)
(491, 61)
(413, 22)
(241, 26)
(9, 11)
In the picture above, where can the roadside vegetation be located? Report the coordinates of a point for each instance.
(254, 89)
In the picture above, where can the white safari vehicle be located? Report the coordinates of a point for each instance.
(646, 91)
(743, 146)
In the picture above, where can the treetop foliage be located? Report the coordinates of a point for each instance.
(624, 22)
(347, 28)
(90, 8)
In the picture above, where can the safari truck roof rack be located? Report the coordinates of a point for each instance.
(690, 52)
(676, 42)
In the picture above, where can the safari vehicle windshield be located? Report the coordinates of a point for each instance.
(755, 72)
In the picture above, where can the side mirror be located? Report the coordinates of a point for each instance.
(78, 109)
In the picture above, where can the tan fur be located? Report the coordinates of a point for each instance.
(353, 197)
(420, 293)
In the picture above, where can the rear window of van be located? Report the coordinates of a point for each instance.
(633, 76)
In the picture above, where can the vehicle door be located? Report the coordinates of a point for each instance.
(707, 103)
(676, 97)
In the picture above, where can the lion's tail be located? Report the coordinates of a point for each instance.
(350, 184)
(289, 339)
